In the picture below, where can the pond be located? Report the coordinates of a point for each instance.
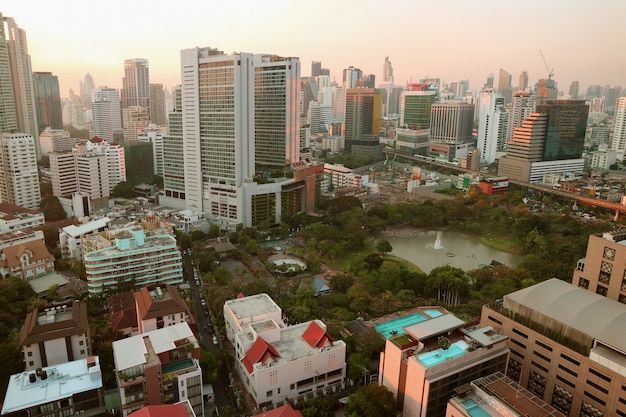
(431, 249)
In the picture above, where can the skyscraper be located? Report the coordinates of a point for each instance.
(87, 88)
(157, 105)
(489, 82)
(619, 130)
(350, 76)
(19, 179)
(387, 71)
(567, 123)
(173, 161)
(451, 127)
(48, 98)
(492, 126)
(316, 68)
(102, 126)
(504, 85)
(8, 115)
(415, 108)
(112, 95)
(136, 83)
(362, 129)
(522, 85)
(546, 90)
(573, 90)
(523, 104)
(237, 110)
(22, 79)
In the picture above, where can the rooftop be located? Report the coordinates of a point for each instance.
(137, 350)
(77, 231)
(587, 312)
(27, 389)
(55, 322)
(254, 305)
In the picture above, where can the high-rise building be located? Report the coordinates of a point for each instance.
(362, 128)
(22, 79)
(574, 88)
(157, 105)
(522, 105)
(522, 85)
(566, 346)
(546, 90)
(489, 82)
(238, 111)
(55, 140)
(173, 157)
(136, 84)
(504, 85)
(8, 114)
(19, 175)
(619, 129)
(387, 71)
(111, 95)
(492, 126)
(135, 119)
(451, 128)
(87, 89)
(139, 161)
(102, 119)
(316, 68)
(350, 76)
(567, 124)
(415, 108)
(48, 98)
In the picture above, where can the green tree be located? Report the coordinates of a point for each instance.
(372, 400)
(253, 247)
(124, 189)
(52, 209)
(383, 246)
(209, 365)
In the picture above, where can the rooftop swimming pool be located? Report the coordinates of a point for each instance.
(433, 313)
(435, 357)
(394, 327)
(474, 410)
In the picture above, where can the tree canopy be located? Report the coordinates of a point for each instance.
(52, 208)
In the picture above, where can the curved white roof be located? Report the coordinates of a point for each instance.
(580, 309)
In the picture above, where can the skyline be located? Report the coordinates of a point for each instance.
(469, 42)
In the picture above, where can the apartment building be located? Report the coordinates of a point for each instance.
(70, 237)
(14, 217)
(567, 345)
(277, 362)
(131, 256)
(66, 389)
(55, 335)
(159, 367)
(23, 253)
(423, 362)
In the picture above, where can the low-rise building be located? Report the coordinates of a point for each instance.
(426, 360)
(278, 362)
(24, 254)
(159, 367)
(65, 389)
(14, 217)
(133, 257)
(55, 335)
(70, 237)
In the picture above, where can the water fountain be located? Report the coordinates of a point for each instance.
(437, 246)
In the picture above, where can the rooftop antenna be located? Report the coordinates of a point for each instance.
(550, 71)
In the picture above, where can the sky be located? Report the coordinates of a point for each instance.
(448, 39)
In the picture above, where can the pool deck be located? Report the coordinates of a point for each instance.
(404, 313)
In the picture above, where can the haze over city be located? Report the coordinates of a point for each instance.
(451, 39)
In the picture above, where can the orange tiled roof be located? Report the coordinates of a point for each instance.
(261, 351)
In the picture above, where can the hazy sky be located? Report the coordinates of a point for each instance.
(451, 39)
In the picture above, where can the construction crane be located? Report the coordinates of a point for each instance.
(550, 71)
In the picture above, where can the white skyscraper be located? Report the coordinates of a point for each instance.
(619, 131)
(19, 179)
(237, 110)
(492, 125)
(102, 126)
(113, 96)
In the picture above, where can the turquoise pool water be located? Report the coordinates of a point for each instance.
(433, 313)
(435, 357)
(474, 410)
(396, 325)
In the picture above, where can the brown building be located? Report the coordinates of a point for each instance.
(567, 346)
(603, 270)
(55, 335)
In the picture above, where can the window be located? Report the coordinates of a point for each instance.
(292, 386)
(599, 375)
(31, 363)
(598, 387)
(495, 320)
(514, 370)
(30, 354)
(593, 397)
(543, 345)
(307, 367)
(602, 290)
(605, 272)
(569, 371)
(273, 377)
(562, 399)
(82, 351)
(539, 355)
(569, 359)
(269, 393)
(609, 253)
(583, 283)
(81, 343)
(519, 332)
(520, 344)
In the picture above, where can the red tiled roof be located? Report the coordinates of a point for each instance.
(10, 209)
(162, 410)
(315, 336)
(261, 351)
(36, 247)
(241, 296)
(284, 411)
(123, 313)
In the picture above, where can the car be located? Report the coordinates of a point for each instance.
(215, 340)
(203, 301)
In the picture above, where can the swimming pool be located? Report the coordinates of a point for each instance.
(396, 325)
(433, 313)
(435, 357)
(474, 410)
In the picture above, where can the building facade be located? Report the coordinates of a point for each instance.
(492, 125)
(48, 99)
(136, 84)
(131, 256)
(567, 346)
(14, 217)
(619, 128)
(362, 123)
(19, 175)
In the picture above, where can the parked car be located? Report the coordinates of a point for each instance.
(215, 340)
